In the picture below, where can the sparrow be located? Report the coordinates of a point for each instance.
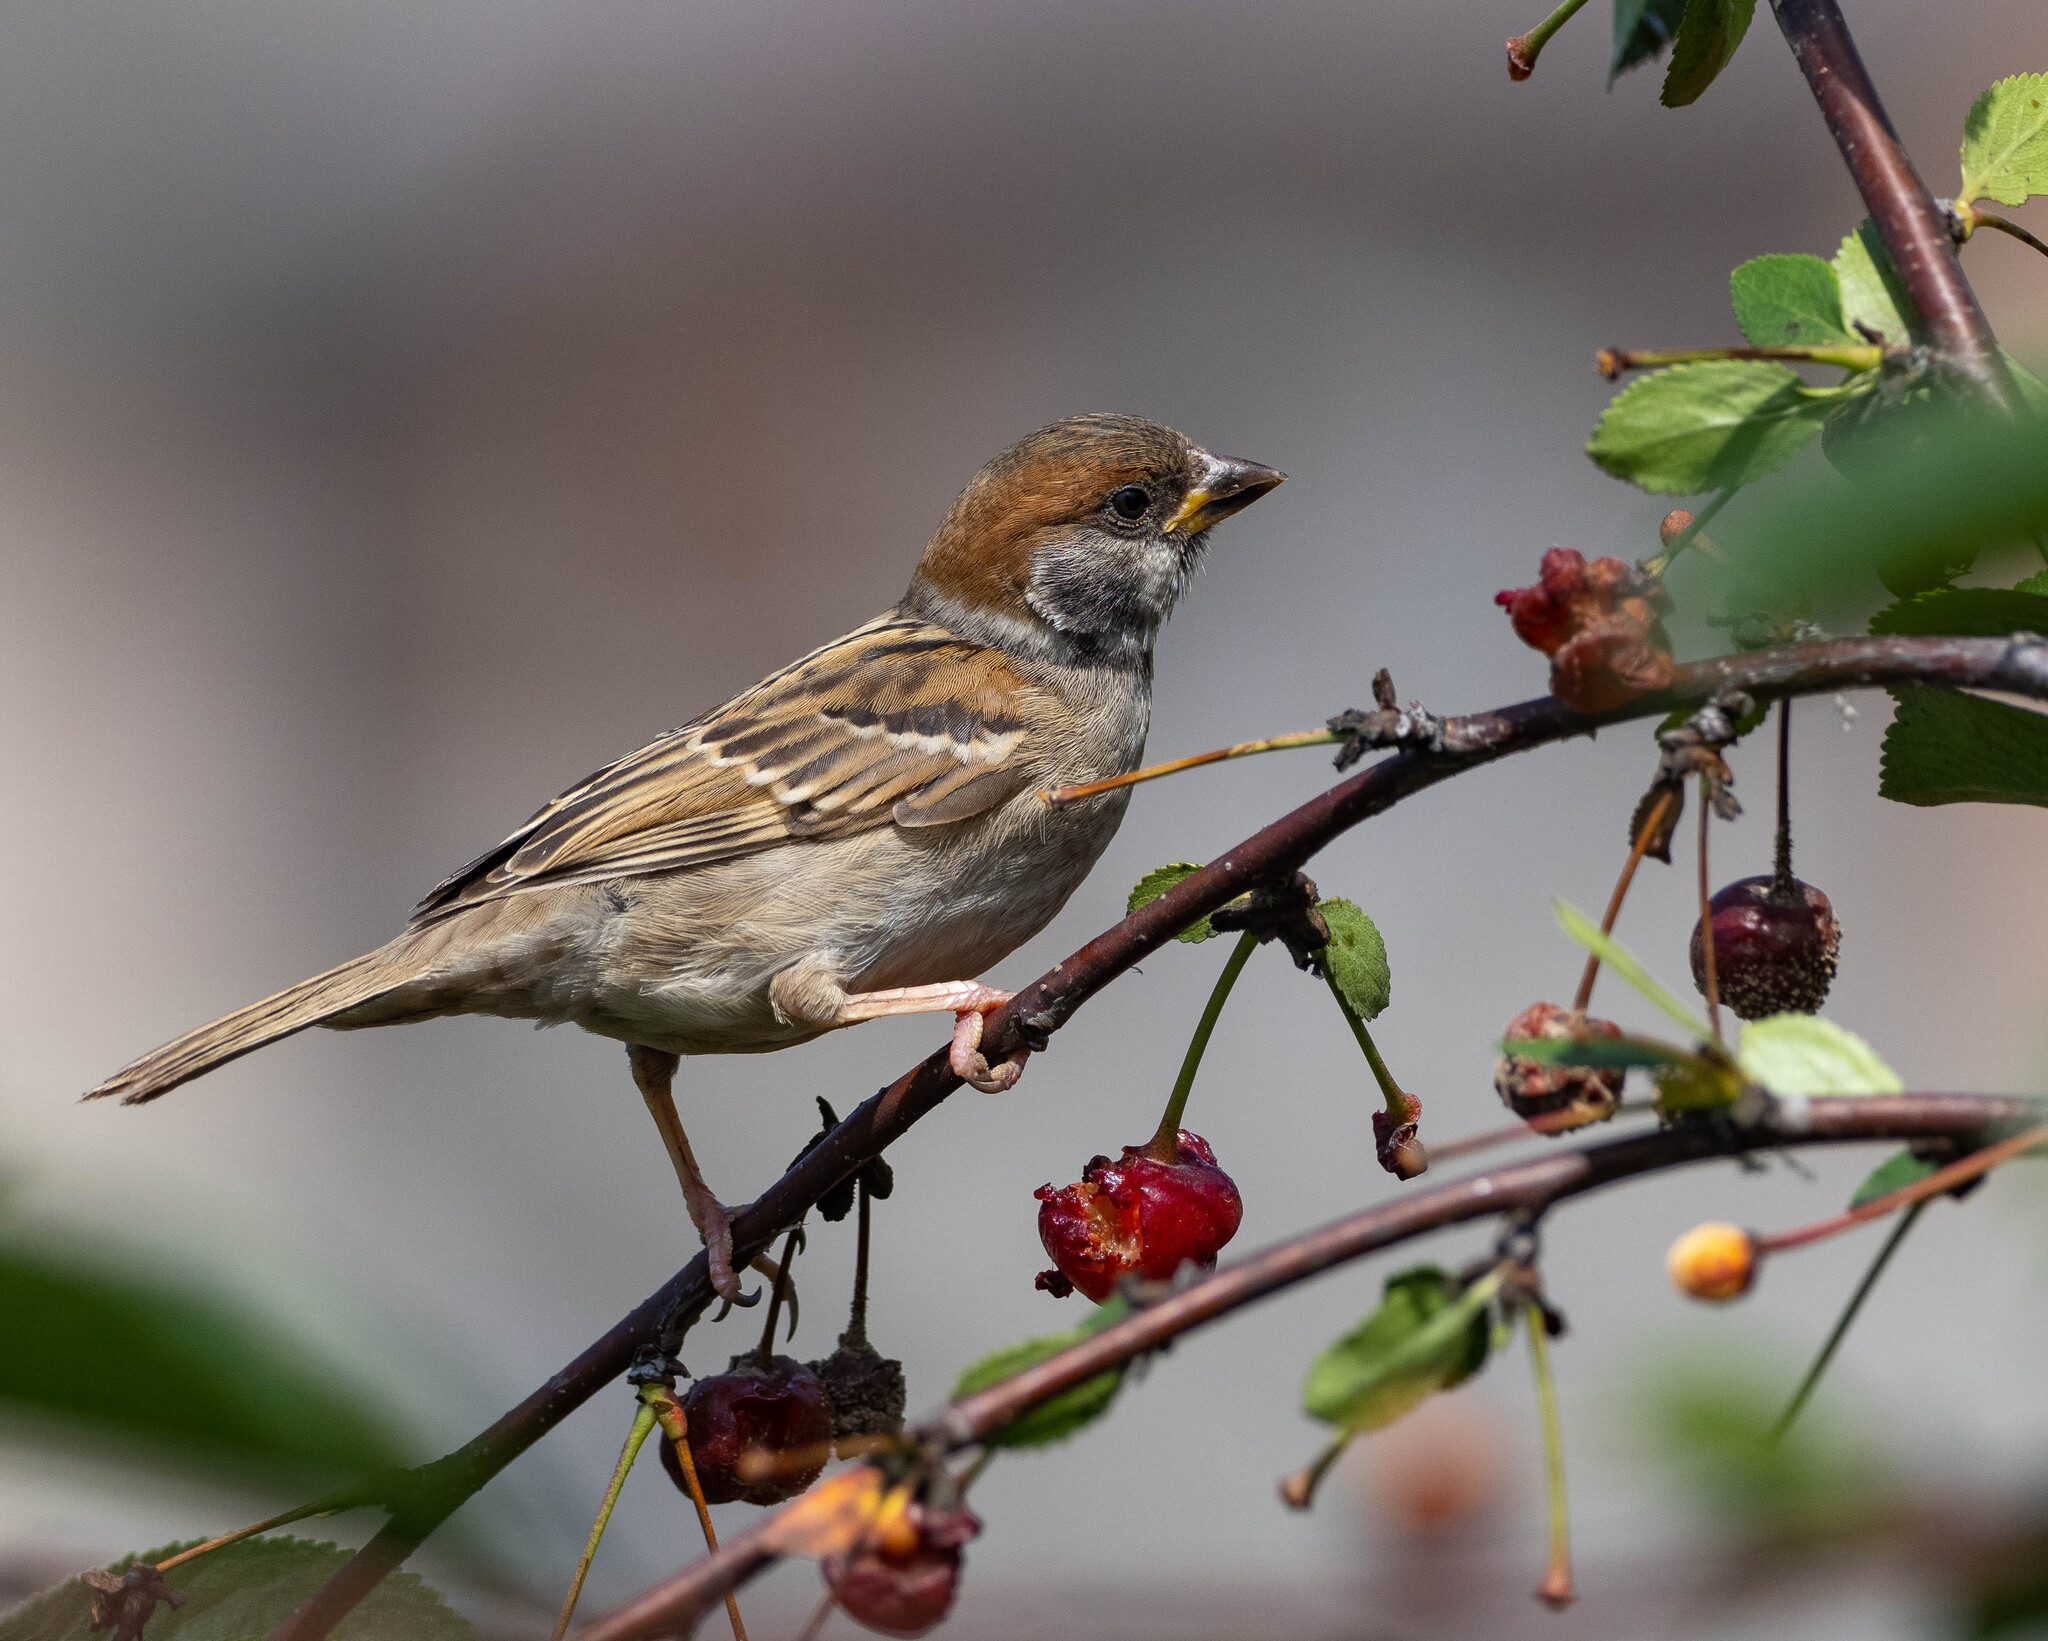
(848, 839)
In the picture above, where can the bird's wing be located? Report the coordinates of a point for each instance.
(897, 723)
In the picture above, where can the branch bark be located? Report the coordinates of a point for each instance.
(1907, 219)
(674, 1606)
(2018, 666)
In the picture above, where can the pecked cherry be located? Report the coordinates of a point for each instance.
(758, 1434)
(1775, 947)
(1139, 1214)
(901, 1581)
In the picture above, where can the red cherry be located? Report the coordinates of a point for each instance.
(1774, 949)
(747, 1423)
(908, 1592)
(1136, 1214)
(1555, 1097)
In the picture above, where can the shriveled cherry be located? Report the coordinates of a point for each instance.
(1557, 1097)
(901, 1580)
(1138, 1214)
(1775, 947)
(757, 1434)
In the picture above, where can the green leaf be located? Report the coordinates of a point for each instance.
(2005, 141)
(1789, 301)
(1594, 1051)
(1871, 292)
(1625, 964)
(1427, 1335)
(1699, 1082)
(225, 1387)
(1964, 612)
(1893, 1174)
(1793, 1054)
(1707, 37)
(2033, 391)
(1642, 29)
(1945, 747)
(244, 1591)
(2035, 583)
(1356, 959)
(1053, 1420)
(1156, 882)
(1707, 426)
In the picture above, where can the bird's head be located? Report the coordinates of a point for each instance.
(1079, 538)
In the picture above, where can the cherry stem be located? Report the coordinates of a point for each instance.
(675, 1425)
(1978, 217)
(1693, 535)
(643, 1422)
(856, 1333)
(1557, 1589)
(819, 1614)
(1651, 824)
(1611, 362)
(1390, 1091)
(1942, 1179)
(766, 1354)
(333, 1504)
(1842, 1322)
(1164, 1146)
(1782, 875)
(1152, 772)
(1713, 988)
(1524, 49)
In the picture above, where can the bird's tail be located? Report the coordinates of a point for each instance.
(309, 1003)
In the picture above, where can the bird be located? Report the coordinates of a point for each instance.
(856, 836)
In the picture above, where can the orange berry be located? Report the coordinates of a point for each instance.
(1713, 1261)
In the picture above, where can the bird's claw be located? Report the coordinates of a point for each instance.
(968, 1062)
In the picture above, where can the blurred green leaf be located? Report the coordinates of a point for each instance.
(1709, 1420)
(1966, 612)
(179, 1371)
(1642, 29)
(1356, 959)
(1707, 426)
(1871, 292)
(1156, 882)
(1053, 1420)
(1428, 1334)
(1946, 747)
(2035, 583)
(1594, 1051)
(1893, 1174)
(243, 1592)
(1626, 965)
(2005, 142)
(1708, 36)
(1789, 301)
(1792, 1054)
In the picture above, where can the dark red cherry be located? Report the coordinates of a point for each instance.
(1137, 1214)
(902, 1581)
(1774, 949)
(757, 1434)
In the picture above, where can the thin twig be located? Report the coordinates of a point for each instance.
(1173, 766)
(1651, 823)
(1611, 362)
(1712, 982)
(643, 1422)
(1557, 1589)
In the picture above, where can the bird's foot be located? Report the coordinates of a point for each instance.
(969, 1064)
(714, 1225)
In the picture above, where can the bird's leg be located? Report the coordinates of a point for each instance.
(654, 1074)
(967, 1001)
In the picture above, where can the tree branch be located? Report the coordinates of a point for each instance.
(2018, 666)
(1908, 221)
(674, 1606)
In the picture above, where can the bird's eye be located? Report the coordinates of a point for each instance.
(1129, 503)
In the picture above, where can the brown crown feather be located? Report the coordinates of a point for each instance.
(981, 554)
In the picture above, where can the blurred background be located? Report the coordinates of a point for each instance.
(407, 408)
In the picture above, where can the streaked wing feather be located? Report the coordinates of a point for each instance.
(897, 722)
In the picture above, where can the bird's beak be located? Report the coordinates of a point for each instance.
(1226, 486)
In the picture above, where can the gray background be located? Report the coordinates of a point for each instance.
(408, 408)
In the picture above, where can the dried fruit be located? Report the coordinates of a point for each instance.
(1138, 1214)
(866, 1390)
(1600, 625)
(1713, 1261)
(758, 1434)
(1775, 947)
(902, 1578)
(1557, 1097)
